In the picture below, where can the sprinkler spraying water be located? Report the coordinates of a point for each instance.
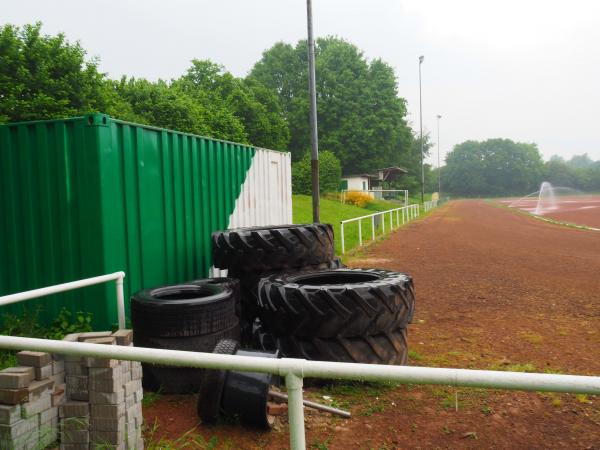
(546, 199)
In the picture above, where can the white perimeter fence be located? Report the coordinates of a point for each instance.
(295, 370)
(403, 215)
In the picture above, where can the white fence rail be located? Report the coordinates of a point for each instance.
(117, 277)
(403, 215)
(295, 370)
(428, 206)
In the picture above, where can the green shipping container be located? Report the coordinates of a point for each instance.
(92, 195)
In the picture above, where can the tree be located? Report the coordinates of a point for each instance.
(44, 77)
(361, 117)
(330, 174)
(492, 168)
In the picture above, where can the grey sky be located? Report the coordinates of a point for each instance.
(528, 70)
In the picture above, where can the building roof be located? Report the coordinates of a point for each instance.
(382, 174)
(363, 175)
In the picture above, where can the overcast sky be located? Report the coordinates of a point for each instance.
(528, 70)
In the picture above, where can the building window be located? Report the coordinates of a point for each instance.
(364, 185)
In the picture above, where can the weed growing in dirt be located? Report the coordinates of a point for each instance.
(376, 408)
(531, 337)
(527, 367)
(486, 410)
(414, 355)
(150, 398)
(321, 445)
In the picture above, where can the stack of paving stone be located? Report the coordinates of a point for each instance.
(104, 407)
(29, 399)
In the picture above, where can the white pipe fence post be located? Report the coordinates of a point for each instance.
(120, 302)
(293, 384)
(360, 232)
(382, 223)
(372, 228)
(342, 238)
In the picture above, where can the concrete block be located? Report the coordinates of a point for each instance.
(100, 362)
(58, 379)
(17, 429)
(13, 396)
(132, 386)
(139, 395)
(130, 401)
(44, 372)
(10, 414)
(74, 446)
(109, 340)
(48, 434)
(81, 396)
(34, 359)
(107, 398)
(75, 424)
(107, 411)
(58, 367)
(106, 385)
(107, 437)
(92, 335)
(59, 397)
(31, 408)
(47, 415)
(73, 359)
(124, 337)
(73, 337)
(100, 424)
(75, 368)
(105, 373)
(39, 388)
(16, 377)
(78, 383)
(126, 366)
(133, 412)
(136, 372)
(75, 437)
(74, 409)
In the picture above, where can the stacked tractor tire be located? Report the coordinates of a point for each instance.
(297, 298)
(286, 294)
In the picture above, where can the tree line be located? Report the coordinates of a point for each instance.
(362, 117)
(501, 167)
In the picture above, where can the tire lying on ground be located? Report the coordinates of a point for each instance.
(183, 309)
(233, 283)
(335, 303)
(191, 317)
(260, 249)
(390, 347)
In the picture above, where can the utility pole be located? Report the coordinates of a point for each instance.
(421, 58)
(314, 136)
(439, 168)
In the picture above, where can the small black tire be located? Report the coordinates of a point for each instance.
(213, 383)
(335, 303)
(279, 247)
(183, 310)
(229, 282)
(389, 348)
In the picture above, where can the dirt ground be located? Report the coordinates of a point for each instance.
(495, 290)
(579, 209)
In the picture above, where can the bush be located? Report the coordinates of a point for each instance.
(357, 198)
(330, 174)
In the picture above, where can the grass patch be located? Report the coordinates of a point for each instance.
(333, 211)
(531, 337)
(150, 398)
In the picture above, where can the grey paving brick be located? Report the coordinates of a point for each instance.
(32, 408)
(14, 396)
(105, 373)
(74, 409)
(58, 367)
(124, 337)
(100, 424)
(78, 383)
(39, 388)
(34, 359)
(75, 437)
(16, 377)
(132, 386)
(23, 426)
(107, 398)
(76, 368)
(93, 335)
(75, 424)
(107, 411)
(107, 437)
(73, 337)
(109, 340)
(10, 414)
(101, 362)
(44, 372)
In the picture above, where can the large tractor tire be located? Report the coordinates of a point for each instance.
(184, 310)
(336, 303)
(279, 247)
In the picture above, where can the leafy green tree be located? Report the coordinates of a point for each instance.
(44, 77)
(362, 120)
(492, 168)
(330, 174)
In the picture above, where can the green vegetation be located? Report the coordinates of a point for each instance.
(28, 325)
(330, 174)
(333, 211)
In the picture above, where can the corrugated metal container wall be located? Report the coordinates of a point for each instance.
(92, 195)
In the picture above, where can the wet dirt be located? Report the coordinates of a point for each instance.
(495, 290)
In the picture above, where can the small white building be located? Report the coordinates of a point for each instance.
(359, 182)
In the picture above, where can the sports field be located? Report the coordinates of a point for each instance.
(495, 290)
(576, 209)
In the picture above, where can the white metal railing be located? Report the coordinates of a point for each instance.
(375, 192)
(295, 370)
(42, 292)
(403, 215)
(428, 206)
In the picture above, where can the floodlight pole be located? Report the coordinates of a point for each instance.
(439, 168)
(314, 136)
(421, 58)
